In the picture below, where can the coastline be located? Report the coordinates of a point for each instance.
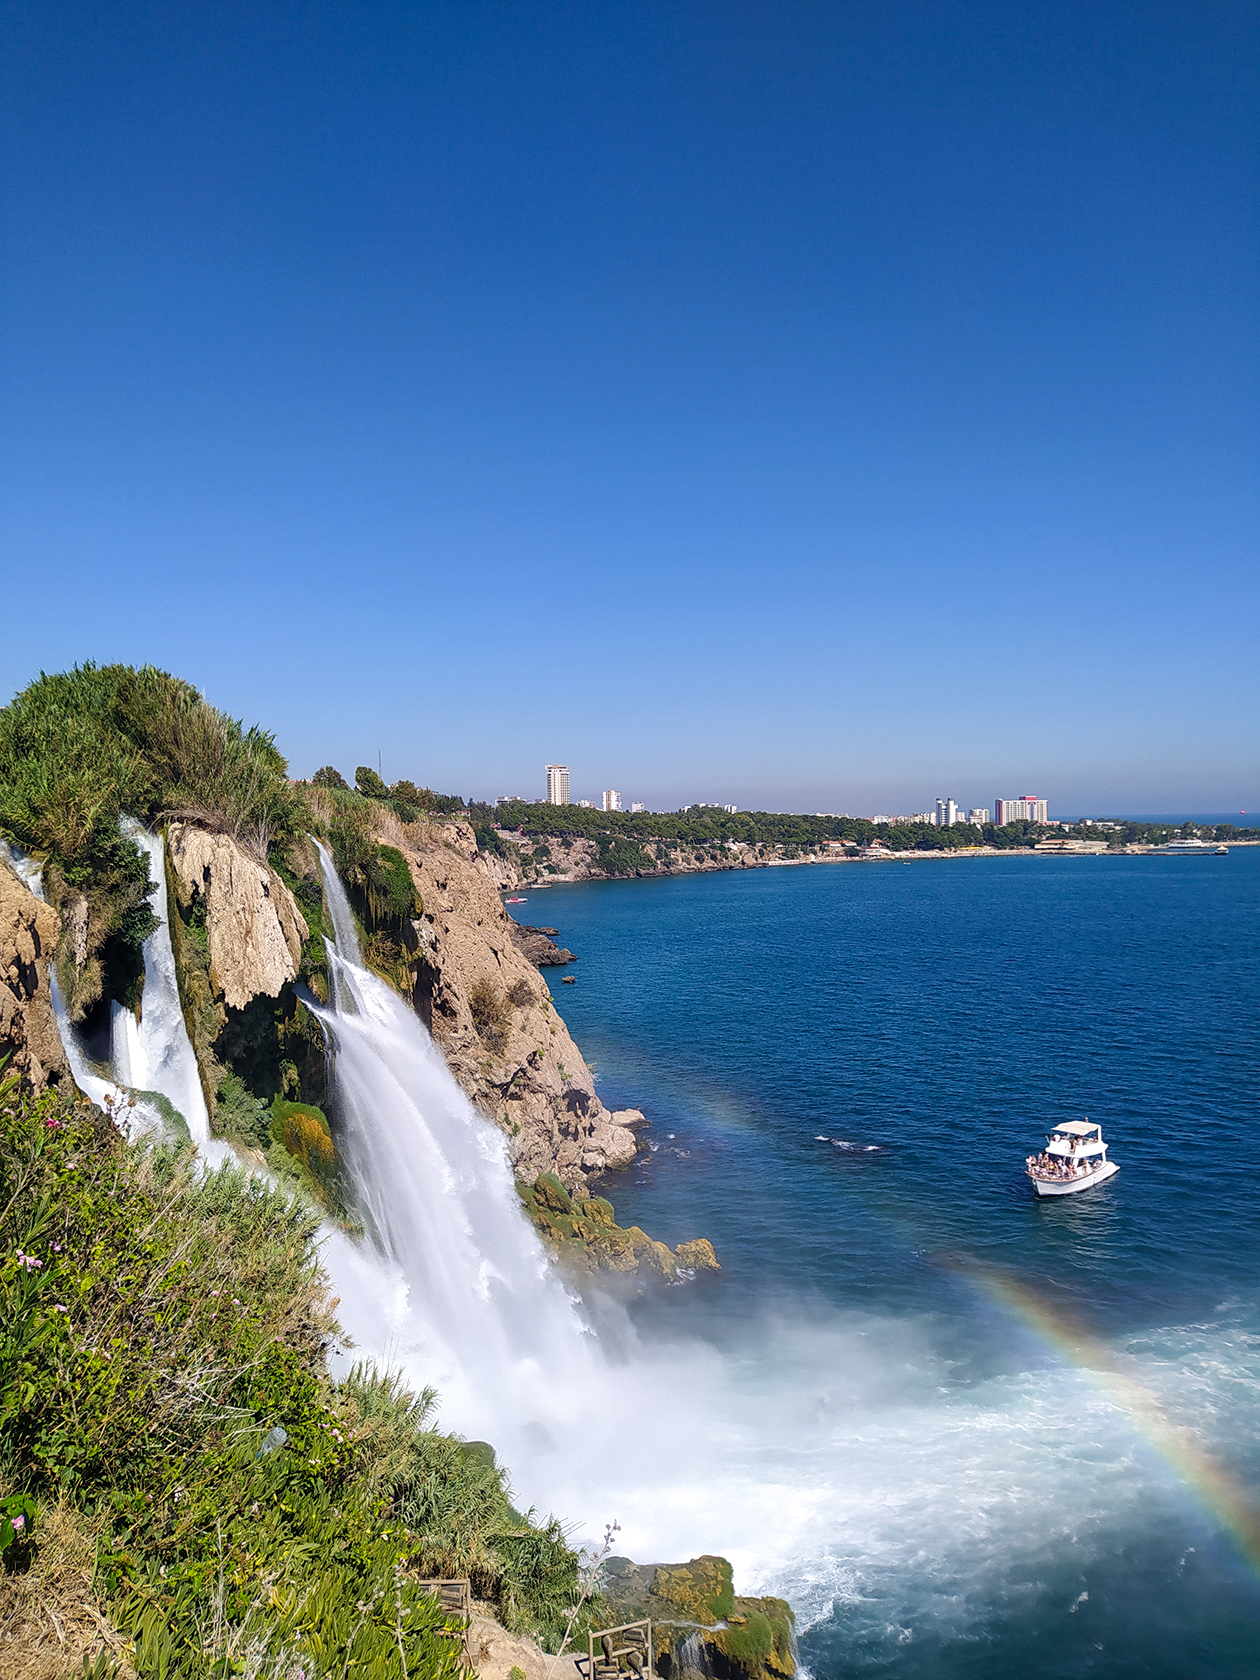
(952, 854)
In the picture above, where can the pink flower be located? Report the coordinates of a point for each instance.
(19, 1522)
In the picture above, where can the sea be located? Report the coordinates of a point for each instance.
(1001, 1436)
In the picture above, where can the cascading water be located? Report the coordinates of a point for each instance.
(151, 1053)
(154, 1053)
(475, 1306)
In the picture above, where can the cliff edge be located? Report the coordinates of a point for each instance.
(29, 931)
(494, 1019)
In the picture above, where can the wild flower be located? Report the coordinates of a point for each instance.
(19, 1522)
(29, 1261)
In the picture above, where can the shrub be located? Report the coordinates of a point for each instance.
(490, 1012)
(369, 783)
(522, 994)
(389, 888)
(212, 771)
(328, 777)
(240, 1115)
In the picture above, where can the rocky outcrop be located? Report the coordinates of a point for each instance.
(494, 1019)
(499, 1655)
(699, 1626)
(536, 946)
(584, 1233)
(253, 926)
(29, 931)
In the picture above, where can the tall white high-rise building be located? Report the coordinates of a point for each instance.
(612, 799)
(978, 815)
(1026, 809)
(946, 813)
(557, 784)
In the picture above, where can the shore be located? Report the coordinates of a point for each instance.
(845, 858)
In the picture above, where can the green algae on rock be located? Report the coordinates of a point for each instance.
(699, 1625)
(585, 1235)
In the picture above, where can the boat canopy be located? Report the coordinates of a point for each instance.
(1075, 1129)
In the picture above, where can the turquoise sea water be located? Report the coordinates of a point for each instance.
(844, 1067)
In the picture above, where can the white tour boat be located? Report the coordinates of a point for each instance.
(1075, 1158)
(1193, 847)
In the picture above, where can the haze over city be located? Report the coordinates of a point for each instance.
(818, 410)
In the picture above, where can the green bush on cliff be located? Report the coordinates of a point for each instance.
(79, 749)
(157, 1325)
(369, 783)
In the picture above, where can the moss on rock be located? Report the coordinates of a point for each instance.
(584, 1234)
(695, 1602)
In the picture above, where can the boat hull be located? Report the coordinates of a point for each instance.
(1069, 1186)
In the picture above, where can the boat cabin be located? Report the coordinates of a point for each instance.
(1074, 1140)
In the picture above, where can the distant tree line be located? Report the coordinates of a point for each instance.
(708, 828)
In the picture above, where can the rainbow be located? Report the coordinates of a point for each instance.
(1213, 1485)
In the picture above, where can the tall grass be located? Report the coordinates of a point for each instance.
(156, 1323)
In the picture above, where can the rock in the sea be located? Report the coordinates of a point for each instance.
(699, 1625)
(698, 1256)
(254, 928)
(537, 947)
(584, 1233)
(29, 931)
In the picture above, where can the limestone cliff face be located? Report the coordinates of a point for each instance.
(29, 932)
(253, 926)
(541, 860)
(493, 1018)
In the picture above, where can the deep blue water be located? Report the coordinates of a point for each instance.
(844, 1067)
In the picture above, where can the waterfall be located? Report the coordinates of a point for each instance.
(154, 1053)
(473, 1305)
(149, 1054)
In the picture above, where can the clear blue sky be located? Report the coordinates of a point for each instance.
(820, 406)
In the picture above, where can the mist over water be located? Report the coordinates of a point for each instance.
(844, 1069)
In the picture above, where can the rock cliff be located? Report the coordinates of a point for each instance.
(254, 928)
(29, 932)
(494, 1019)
